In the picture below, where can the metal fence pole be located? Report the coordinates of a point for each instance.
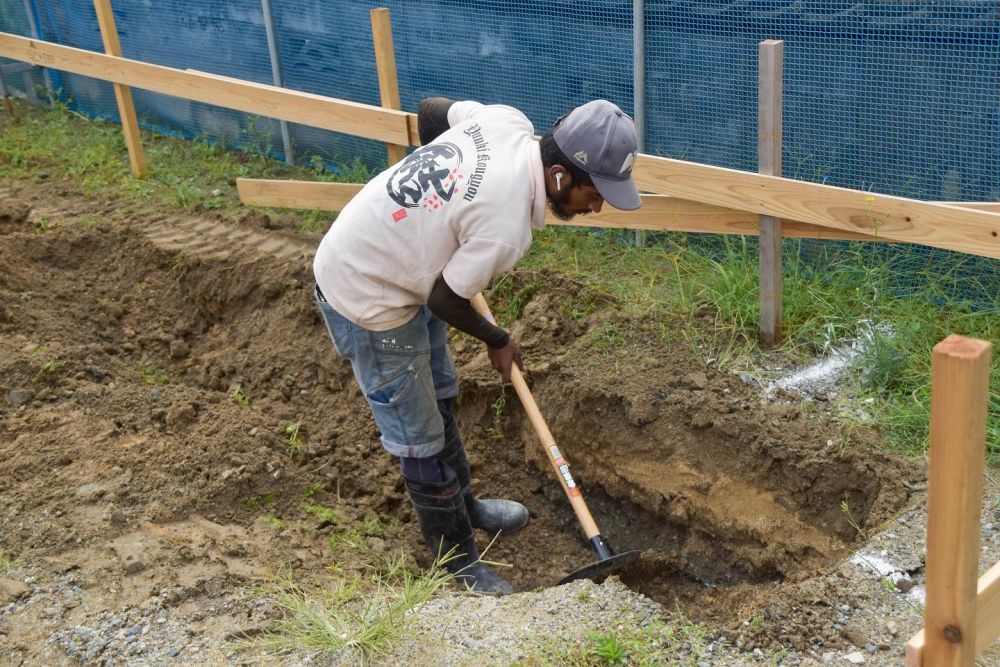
(29, 9)
(639, 86)
(272, 49)
(771, 59)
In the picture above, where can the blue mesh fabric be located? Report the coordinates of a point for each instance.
(901, 98)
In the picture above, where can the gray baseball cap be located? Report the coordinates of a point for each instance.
(600, 138)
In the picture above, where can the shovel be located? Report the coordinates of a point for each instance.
(607, 560)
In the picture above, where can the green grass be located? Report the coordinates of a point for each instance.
(8, 563)
(241, 397)
(323, 515)
(182, 174)
(358, 619)
(49, 368)
(151, 373)
(253, 502)
(679, 643)
(292, 431)
(353, 536)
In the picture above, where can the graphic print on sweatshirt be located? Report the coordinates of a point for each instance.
(429, 177)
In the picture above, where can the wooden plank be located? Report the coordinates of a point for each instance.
(960, 370)
(411, 126)
(312, 195)
(769, 81)
(988, 609)
(658, 212)
(362, 120)
(123, 94)
(385, 63)
(987, 618)
(913, 655)
(978, 205)
(963, 229)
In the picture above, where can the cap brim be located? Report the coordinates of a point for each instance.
(623, 195)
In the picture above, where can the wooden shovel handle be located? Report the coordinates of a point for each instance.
(559, 463)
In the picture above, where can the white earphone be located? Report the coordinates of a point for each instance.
(558, 180)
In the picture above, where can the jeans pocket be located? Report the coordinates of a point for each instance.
(338, 327)
(405, 409)
(393, 389)
(342, 342)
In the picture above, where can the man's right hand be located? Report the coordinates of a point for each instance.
(503, 358)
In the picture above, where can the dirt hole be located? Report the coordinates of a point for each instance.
(175, 374)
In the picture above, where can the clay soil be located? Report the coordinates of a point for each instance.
(153, 369)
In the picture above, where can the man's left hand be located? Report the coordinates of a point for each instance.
(503, 358)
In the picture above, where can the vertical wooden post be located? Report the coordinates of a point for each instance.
(771, 55)
(130, 126)
(960, 369)
(385, 62)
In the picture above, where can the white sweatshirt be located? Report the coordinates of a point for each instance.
(463, 205)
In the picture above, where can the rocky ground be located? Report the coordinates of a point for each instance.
(175, 432)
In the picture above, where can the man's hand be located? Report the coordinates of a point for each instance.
(503, 358)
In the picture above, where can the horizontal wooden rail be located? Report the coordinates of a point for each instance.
(353, 118)
(940, 225)
(988, 609)
(963, 229)
(658, 212)
(987, 618)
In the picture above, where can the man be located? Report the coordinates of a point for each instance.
(407, 254)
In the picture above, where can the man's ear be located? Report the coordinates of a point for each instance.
(560, 177)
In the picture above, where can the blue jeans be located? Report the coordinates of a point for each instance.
(403, 373)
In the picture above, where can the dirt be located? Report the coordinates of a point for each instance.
(170, 407)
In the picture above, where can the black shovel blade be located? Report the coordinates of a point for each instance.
(602, 568)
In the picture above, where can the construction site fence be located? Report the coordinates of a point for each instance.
(900, 98)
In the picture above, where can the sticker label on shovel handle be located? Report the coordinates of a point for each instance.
(563, 469)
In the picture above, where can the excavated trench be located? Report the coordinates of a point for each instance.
(187, 349)
(723, 494)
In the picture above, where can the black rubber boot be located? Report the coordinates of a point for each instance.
(444, 522)
(490, 514)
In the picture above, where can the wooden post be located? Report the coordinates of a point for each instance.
(126, 109)
(960, 370)
(769, 80)
(385, 62)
